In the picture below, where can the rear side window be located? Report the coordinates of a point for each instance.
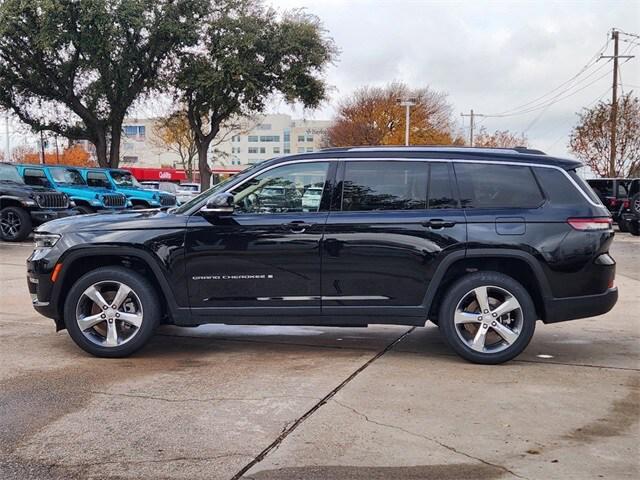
(557, 187)
(440, 187)
(385, 186)
(497, 186)
(584, 186)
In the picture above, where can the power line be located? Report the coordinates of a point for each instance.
(592, 61)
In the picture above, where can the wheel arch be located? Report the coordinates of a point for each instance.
(521, 266)
(78, 262)
(10, 201)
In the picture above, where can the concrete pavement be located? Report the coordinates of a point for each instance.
(305, 403)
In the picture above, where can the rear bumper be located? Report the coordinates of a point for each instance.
(571, 308)
(41, 216)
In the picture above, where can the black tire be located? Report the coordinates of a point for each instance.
(634, 205)
(622, 225)
(497, 282)
(634, 227)
(146, 294)
(85, 209)
(15, 224)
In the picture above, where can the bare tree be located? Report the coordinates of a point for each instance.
(590, 139)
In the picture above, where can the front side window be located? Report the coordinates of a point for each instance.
(67, 176)
(124, 179)
(383, 185)
(9, 173)
(485, 185)
(36, 176)
(286, 189)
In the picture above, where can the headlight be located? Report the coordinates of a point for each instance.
(46, 240)
(72, 203)
(28, 202)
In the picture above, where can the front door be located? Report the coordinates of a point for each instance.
(391, 224)
(264, 259)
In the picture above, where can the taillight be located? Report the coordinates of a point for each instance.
(625, 203)
(591, 224)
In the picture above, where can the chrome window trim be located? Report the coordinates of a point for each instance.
(404, 159)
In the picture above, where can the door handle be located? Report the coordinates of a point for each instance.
(297, 226)
(438, 223)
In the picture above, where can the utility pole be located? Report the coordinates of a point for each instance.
(7, 144)
(472, 117)
(42, 158)
(613, 120)
(407, 103)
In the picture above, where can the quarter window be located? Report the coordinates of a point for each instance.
(385, 186)
(497, 186)
(285, 189)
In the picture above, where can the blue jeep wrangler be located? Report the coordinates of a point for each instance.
(123, 181)
(69, 180)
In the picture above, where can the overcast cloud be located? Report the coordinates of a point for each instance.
(491, 56)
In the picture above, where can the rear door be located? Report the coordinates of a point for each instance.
(391, 224)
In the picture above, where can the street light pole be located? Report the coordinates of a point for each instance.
(7, 144)
(407, 103)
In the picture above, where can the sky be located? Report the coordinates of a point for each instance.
(490, 56)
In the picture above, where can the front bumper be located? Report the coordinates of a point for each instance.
(571, 308)
(40, 286)
(39, 217)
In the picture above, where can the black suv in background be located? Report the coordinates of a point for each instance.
(622, 197)
(482, 242)
(23, 206)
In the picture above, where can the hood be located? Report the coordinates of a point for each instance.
(127, 220)
(140, 192)
(23, 190)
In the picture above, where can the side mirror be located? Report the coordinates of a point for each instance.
(219, 204)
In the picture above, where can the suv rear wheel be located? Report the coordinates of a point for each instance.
(487, 317)
(111, 312)
(15, 224)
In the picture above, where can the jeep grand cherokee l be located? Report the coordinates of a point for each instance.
(482, 242)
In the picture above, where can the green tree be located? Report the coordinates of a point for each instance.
(76, 67)
(247, 53)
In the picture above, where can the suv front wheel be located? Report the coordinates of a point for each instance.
(487, 317)
(111, 312)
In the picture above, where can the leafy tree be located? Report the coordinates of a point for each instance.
(372, 116)
(174, 134)
(246, 54)
(499, 139)
(76, 67)
(74, 155)
(590, 139)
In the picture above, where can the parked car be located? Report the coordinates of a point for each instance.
(122, 181)
(482, 242)
(630, 217)
(169, 187)
(622, 197)
(24, 206)
(69, 180)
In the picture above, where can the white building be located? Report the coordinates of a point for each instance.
(260, 138)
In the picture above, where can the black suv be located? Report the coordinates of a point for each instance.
(23, 206)
(622, 197)
(482, 242)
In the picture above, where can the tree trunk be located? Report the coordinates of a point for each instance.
(101, 150)
(203, 166)
(114, 151)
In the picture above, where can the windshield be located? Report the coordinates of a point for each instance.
(9, 173)
(67, 176)
(124, 179)
(189, 188)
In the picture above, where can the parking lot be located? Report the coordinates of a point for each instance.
(222, 402)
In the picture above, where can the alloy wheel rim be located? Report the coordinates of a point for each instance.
(488, 319)
(10, 224)
(109, 313)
